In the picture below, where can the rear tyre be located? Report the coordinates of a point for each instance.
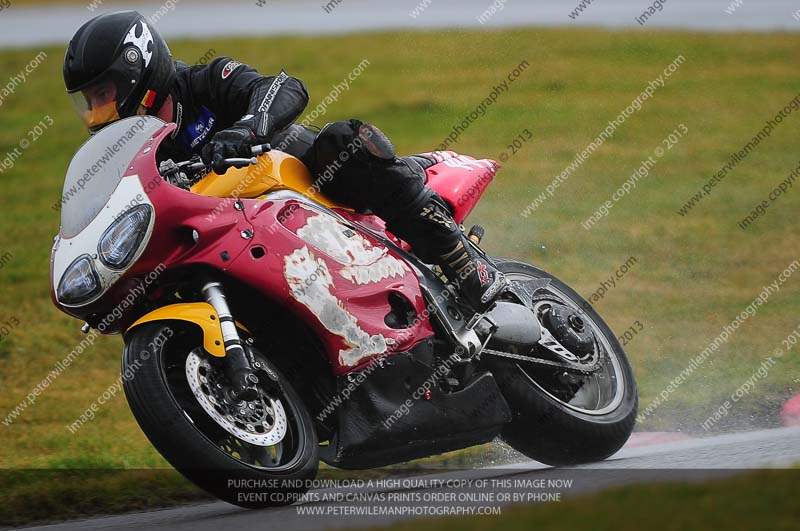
(216, 450)
(560, 423)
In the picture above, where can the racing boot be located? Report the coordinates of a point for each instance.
(478, 281)
(436, 238)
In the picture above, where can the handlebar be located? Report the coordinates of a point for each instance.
(234, 161)
(260, 149)
(177, 172)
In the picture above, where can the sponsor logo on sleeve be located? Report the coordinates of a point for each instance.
(228, 69)
(273, 91)
(197, 132)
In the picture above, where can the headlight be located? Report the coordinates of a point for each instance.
(79, 282)
(122, 239)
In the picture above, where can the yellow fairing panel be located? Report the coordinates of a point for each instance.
(275, 170)
(200, 313)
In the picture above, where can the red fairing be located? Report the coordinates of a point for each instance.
(460, 180)
(178, 212)
(375, 224)
(336, 279)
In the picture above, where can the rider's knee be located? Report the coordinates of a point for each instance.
(351, 142)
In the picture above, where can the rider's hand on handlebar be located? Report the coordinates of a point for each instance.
(237, 141)
(228, 143)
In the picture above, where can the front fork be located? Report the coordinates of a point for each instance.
(238, 360)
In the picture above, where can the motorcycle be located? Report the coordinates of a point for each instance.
(268, 328)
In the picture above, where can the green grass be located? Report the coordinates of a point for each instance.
(694, 275)
(762, 500)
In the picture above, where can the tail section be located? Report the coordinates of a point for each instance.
(460, 180)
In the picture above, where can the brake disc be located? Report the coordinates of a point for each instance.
(261, 422)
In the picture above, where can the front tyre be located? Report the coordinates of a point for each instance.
(562, 418)
(257, 454)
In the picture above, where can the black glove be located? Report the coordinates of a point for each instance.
(236, 141)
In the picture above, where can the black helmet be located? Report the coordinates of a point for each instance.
(115, 63)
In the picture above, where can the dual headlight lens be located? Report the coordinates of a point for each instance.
(116, 249)
(122, 239)
(80, 282)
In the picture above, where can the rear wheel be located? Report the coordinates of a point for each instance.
(566, 417)
(252, 454)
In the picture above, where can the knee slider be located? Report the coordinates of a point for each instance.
(374, 142)
(353, 139)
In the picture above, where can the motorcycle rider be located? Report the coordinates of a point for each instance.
(117, 66)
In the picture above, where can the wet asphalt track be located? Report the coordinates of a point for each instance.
(686, 460)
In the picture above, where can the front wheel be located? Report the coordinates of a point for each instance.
(566, 417)
(252, 454)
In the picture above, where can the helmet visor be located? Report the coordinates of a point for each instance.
(96, 104)
(106, 99)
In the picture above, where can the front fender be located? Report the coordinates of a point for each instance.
(200, 313)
